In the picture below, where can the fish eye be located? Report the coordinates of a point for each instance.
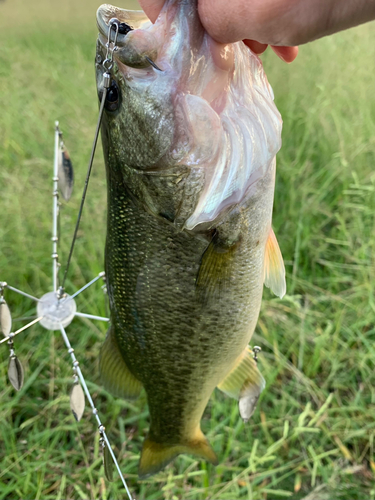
(112, 100)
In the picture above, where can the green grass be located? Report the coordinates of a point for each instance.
(312, 436)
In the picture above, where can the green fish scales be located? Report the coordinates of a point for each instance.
(189, 238)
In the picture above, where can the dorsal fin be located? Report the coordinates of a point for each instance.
(274, 270)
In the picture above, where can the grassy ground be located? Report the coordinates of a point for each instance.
(313, 434)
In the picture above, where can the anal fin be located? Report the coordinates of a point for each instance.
(244, 383)
(114, 373)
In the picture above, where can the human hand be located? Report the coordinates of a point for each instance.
(283, 24)
(153, 7)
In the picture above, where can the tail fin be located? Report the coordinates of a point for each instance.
(155, 456)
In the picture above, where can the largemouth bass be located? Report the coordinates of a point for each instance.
(190, 133)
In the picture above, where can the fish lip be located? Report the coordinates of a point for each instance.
(106, 12)
(101, 15)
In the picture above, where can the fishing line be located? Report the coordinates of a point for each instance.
(108, 65)
(61, 288)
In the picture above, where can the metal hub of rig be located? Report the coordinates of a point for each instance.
(56, 312)
(56, 309)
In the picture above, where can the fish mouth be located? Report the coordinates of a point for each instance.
(134, 19)
(129, 30)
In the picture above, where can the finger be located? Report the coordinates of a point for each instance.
(255, 46)
(152, 8)
(287, 54)
(228, 22)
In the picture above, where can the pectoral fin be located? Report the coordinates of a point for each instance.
(215, 271)
(114, 373)
(245, 383)
(274, 270)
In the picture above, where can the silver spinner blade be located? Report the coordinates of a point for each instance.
(108, 464)
(77, 401)
(15, 372)
(65, 174)
(5, 318)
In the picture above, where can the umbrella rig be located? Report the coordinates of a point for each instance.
(56, 310)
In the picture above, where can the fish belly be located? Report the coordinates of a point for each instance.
(177, 345)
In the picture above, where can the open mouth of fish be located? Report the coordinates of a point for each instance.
(226, 125)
